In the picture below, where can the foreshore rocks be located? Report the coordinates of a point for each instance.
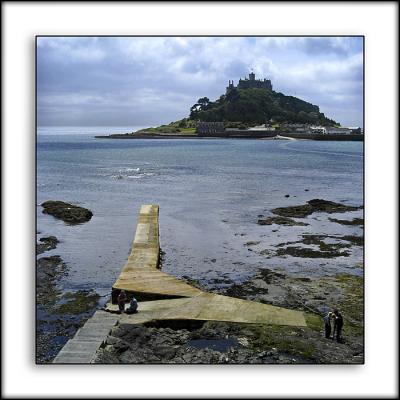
(47, 243)
(59, 314)
(354, 221)
(280, 221)
(305, 252)
(69, 213)
(210, 342)
(324, 250)
(48, 271)
(314, 205)
(200, 343)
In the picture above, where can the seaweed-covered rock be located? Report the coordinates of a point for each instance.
(67, 212)
(305, 252)
(354, 221)
(78, 302)
(330, 206)
(280, 221)
(47, 243)
(314, 205)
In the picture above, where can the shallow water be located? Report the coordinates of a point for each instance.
(210, 193)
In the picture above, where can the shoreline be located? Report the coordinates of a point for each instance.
(212, 342)
(349, 138)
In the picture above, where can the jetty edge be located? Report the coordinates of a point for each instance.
(163, 297)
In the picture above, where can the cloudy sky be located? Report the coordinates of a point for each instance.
(131, 81)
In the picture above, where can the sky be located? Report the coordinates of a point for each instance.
(149, 81)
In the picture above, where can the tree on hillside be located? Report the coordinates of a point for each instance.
(254, 106)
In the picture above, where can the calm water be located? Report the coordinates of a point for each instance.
(210, 194)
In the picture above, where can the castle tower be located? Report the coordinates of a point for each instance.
(229, 87)
(252, 76)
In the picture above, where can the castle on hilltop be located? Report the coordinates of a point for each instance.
(250, 82)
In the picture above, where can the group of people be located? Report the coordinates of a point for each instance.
(133, 304)
(337, 319)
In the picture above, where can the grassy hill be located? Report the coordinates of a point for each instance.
(256, 106)
(242, 108)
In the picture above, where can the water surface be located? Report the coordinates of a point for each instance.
(210, 192)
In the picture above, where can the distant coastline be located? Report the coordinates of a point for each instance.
(238, 134)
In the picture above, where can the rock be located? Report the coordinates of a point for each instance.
(252, 243)
(111, 340)
(67, 212)
(164, 352)
(304, 279)
(243, 341)
(77, 302)
(354, 221)
(187, 357)
(280, 221)
(47, 243)
(330, 206)
(304, 252)
(314, 205)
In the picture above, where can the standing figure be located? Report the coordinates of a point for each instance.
(327, 325)
(338, 325)
(121, 301)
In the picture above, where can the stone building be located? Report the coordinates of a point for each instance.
(207, 128)
(250, 82)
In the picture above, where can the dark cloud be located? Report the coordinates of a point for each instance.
(149, 81)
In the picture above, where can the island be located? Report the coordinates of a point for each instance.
(251, 109)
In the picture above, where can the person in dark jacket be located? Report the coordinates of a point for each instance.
(327, 325)
(121, 301)
(338, 325)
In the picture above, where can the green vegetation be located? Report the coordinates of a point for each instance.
(246, 107)
(182, 127)
(78, 302)
(243, 108)
(288, 341)
(351, 304)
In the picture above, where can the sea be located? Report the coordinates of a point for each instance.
(211, 192)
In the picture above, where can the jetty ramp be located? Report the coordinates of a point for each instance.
(164, 297)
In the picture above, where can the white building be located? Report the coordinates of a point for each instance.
(320, 130)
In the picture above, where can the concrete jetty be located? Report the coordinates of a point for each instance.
(164, 297)
(141, 275)
(82, 348)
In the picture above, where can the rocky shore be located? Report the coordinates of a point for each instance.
(184, 342)
(60, 312)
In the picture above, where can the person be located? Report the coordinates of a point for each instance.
(133, 305)
(121, 301)
(338, 325)
(327, 325)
